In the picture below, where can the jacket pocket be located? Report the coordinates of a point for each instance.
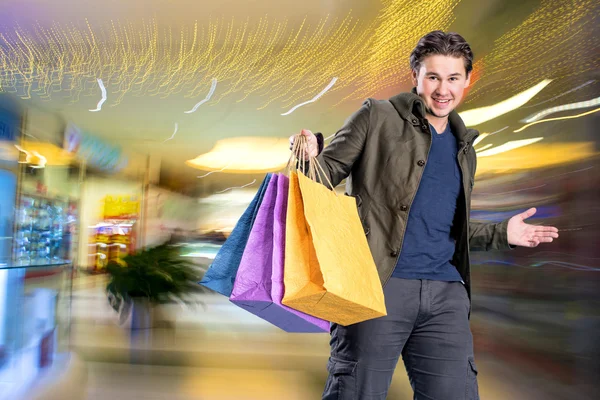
(472, 388)
(341, 383)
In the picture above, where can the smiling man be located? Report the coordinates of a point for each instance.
(410, 163)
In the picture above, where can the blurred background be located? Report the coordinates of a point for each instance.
(129, 124)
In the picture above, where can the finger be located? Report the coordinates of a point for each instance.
(306, 132)
(544, 239)
(533, 243)
(547, 234)
(527, 214)
(546, 229)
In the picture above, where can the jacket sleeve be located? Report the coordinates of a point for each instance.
(338, 158)
(488, 236)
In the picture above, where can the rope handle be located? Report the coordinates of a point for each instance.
(315, 170)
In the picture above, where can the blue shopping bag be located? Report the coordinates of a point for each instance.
(223, 270)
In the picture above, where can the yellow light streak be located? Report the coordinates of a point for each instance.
(565, 107)
(480, 115)
(480, 138)
(272, 60)
(559, 36)
(538, 155)
(557, 119)
(487, 146)
(513, 144)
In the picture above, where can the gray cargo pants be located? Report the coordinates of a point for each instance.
(428, 324)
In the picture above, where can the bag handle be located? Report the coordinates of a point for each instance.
(315, 170)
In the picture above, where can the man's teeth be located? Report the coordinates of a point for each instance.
(442, 101)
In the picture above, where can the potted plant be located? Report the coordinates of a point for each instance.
(141, 281)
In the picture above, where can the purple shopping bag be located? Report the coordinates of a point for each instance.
(258, 286)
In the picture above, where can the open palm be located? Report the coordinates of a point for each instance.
(521, 233)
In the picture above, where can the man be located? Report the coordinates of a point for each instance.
(410, 163)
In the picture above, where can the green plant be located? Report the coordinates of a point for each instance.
(156, 274)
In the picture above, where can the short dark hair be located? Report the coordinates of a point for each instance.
(441, 43)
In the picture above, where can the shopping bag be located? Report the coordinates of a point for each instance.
(329, 271)
(258, 287)
(221, 273)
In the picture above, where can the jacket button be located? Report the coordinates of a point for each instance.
(403, 208)
(420, 163)
(394, 253)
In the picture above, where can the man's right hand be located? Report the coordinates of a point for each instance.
(313, 144)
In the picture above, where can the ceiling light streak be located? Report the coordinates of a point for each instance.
(498, 131)
(571, 172)
(487, 146)
(213, 87)
(538, 44)
(485, 135)
(333, 81)
(174, 133)
(276, 61)
(42, 160)
(480, 115)
(104, 96)
(513, 144)
(480, 138)
(28, 156)
(569, 265)
(237, 187)
(557, 119)
(564, 107)
(213, 172)
(562, 94)
(512, 191)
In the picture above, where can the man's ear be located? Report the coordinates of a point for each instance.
(413, 76)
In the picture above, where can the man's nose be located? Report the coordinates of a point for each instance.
(442, 89)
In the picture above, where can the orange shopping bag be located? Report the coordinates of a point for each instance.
(329, 271)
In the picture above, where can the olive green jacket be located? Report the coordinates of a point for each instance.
(382, 150)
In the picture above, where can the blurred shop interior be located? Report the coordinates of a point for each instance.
(130, 125)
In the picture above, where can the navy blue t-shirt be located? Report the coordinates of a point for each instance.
(428, 246)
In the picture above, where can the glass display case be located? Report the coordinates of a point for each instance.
(44, 229)
(38, 231)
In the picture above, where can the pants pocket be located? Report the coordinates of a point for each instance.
(341, 382)
(472, 388)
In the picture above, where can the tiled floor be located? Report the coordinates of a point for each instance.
(218, 351)
(129, 382)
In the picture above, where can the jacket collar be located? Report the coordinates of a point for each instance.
(411, 108)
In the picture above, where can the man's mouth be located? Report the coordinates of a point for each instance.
(442, 101)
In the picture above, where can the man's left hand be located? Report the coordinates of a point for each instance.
(523, 234)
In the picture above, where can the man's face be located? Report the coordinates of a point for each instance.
(441, 82)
